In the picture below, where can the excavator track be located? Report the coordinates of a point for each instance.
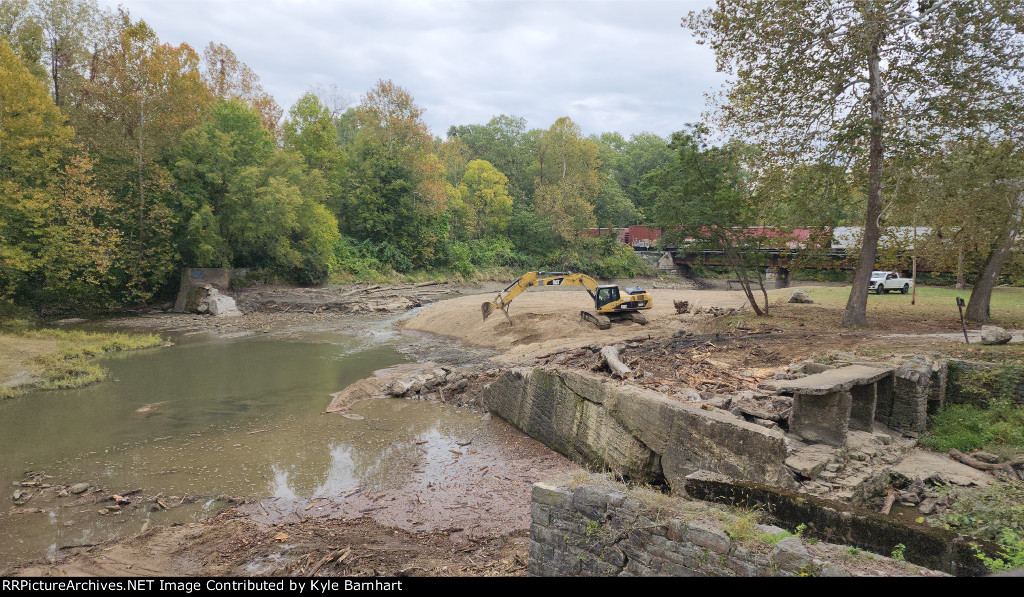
(602, 322)
(636, 317)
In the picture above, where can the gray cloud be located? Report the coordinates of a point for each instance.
(618, 65)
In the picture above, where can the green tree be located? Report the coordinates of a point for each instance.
(55, 241)
(78, 245)
(310, 130)
(20, 27)
(567, 180)
(858, 81)
(503, 143)
(140, 99)
(972, 194)
(704, 199)
(480, 204)
(642, 153)
(396, 196)
(242, 203)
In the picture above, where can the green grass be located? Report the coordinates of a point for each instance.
(743, 528)
(1007, 306)
(70, 364)
(998, 428)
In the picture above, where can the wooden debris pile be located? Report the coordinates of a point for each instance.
(664, 364)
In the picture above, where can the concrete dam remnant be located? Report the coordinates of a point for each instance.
(634, 432)
(829, 403)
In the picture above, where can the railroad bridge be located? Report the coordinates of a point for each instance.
(778, 263)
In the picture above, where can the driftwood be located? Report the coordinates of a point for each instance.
(610, 354)
(890, 499)
(1006, 468)
(338, 555)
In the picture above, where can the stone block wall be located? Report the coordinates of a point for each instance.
(634, 432)
(590, 526)
(978, 383)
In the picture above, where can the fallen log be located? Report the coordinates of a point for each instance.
(1007, 468)
(610, 354)
(890, 499)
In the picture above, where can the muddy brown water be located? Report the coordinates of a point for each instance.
(239, 417)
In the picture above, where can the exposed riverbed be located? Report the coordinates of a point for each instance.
(241, 417)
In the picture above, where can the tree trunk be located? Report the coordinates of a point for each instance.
(979, 305)
(740, 267)
(960, 282)
(857, 305)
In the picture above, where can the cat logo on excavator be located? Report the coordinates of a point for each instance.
(609, 302)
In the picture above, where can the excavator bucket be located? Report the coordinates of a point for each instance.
(486, 309)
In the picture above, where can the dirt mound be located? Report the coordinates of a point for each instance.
(543, 321)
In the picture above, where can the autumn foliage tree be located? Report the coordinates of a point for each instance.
(230, 78)
(55, 239)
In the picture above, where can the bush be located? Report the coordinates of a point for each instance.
(492, 252)
(460, 255)
(356, 260)
(994, 513)
(603, 257)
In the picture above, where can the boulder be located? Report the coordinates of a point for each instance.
(400, 387)
(221, 305)
(993, 334)
(791, 555)
(79, 488)
(799, 296)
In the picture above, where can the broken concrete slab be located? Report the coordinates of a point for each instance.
(822, 418)
(830, 381)
(810, 460)
(924, 464)
(384, 382)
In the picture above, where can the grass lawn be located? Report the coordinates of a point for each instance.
(932, 302)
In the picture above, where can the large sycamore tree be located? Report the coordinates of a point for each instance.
(860, 82)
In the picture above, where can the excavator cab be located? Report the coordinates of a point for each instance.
(605, 295)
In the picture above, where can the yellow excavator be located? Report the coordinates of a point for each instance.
(609, 303)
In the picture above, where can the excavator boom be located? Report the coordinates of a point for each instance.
(608, 301)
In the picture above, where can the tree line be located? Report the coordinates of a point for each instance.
(125, 158)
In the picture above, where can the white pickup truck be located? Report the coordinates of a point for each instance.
(883, 282)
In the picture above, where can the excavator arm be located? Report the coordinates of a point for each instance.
(530, 279)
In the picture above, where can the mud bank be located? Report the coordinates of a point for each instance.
(232, 544)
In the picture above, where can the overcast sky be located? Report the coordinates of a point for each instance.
(620, 65)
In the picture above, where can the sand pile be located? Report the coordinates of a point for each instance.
(544, 321)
